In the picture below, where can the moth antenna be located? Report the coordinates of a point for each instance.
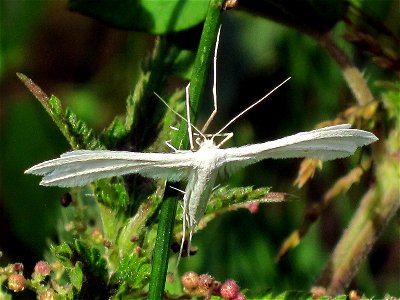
(251, 106)
(178, 114)
(214, 89)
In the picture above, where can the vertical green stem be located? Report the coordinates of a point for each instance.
(168, 208)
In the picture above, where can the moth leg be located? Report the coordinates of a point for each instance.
(176, 189)
(214, 89)
(185, 222)
(181, 247)
(215, 187)
(189, 241)
(168, 143)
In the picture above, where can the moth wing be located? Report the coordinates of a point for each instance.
(81, 167)
(326, 143)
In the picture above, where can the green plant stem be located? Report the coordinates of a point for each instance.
(168, 207)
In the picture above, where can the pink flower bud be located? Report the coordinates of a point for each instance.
(253, 207)
(18, 267)
(42, 268)
(229, 289)
(240, 297)
(205, 282)
(190, 280)
(16, 282)
(47, 295)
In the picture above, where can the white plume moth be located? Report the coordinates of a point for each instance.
(199, 168)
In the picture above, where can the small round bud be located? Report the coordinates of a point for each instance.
(57, 267)
(229, 289)
(318, 291)
(253, 207)
(47, 295)
(138, 250)
(205, 282)
(240, 297)
(18, 267)
(97, 236)
(80, 226)
(354, 295)
(107, 243)
(230, 4)
(190, 280)
(42, 268)
(216, 286)
(66, 199)
(16, 282)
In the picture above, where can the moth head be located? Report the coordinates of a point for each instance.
(206, 142)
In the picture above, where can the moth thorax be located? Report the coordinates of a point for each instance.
(208, 144)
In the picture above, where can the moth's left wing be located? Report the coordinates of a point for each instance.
(326, 143)
(80, 167)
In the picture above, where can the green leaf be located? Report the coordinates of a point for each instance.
(235, 198)
(92, 259)
(76, 276)
(293, 295)
(133, 271)
(155, 16)
(77, 133)
(112, 193)
(311, 16)
(115, 132)
(64, 253)
(226, 199)
(94, 268)
(55, 105)
(288, 295)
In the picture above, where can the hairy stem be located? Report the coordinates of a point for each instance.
(351, 73)
(377, 208)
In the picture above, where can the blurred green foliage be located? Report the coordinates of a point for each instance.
(93, 68)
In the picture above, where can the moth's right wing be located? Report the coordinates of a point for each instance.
(77, 168)
(325, 143)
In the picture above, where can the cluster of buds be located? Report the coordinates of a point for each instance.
(15, 277)
(16, 281)
(206, 286)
